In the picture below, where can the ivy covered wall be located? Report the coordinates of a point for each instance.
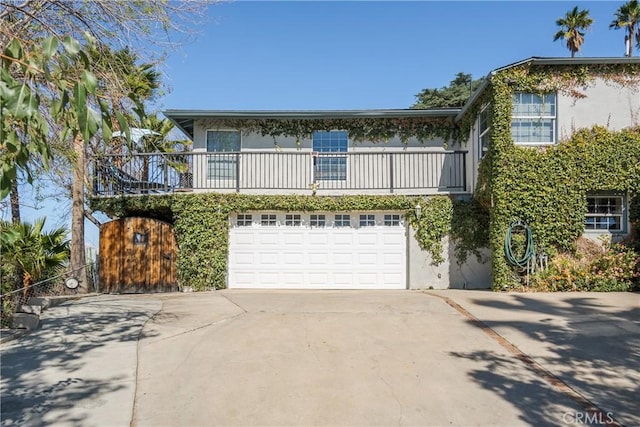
(547, 186)
(543, 186)
(202, 223)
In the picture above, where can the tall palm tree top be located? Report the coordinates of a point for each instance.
(570, 28)
(628, 16)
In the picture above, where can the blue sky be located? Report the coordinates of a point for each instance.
(358, 55)
(353, 55)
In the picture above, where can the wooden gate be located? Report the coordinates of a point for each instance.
(137, 255)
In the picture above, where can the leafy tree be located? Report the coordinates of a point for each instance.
(47, 82)
(570, 29)
(137, 25)
(628, 16)
(454, 95)
(116, 23)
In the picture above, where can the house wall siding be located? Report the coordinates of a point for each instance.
(605, 103)
(424, 274)
(413, 173)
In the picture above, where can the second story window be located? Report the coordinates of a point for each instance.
(533, 120)
(327, 164)
(222, 164)
(484, 131)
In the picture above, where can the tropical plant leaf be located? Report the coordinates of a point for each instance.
(90, 81)
(49, 47)
(80, 95)
(71, 45)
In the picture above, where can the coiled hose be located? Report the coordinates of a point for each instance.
(529, 251)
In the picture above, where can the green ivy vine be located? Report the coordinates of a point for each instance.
(548, 187)
(367, 129)
(202, 223)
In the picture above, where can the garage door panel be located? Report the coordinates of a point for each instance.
(303, 257)
(268, 258)
(296, 238)
(342, 258)
(393, 238)
(392, 258)
(318, 279)
(245, 238)
(268, 238)
(342, 238)
(343, 279)
(318, 237)
(294, 259)
(368, 239)
(293, 280)
(316, 258)
(368, 258)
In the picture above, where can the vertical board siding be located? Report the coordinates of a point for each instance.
(144, 267)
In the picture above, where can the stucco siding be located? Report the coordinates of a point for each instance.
(605, 103)
(424, 274)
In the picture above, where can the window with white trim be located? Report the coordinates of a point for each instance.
(244, 220)
(330, 166)
(392, 220)
(317, 221)
(342, 220)
(533, 120)
(367, 220)
(268, 219)
(292, 219)
(221, 164)
(484, 131)
(605, 212)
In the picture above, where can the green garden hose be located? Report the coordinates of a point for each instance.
(529, 251)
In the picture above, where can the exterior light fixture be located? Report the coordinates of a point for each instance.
(418, 211)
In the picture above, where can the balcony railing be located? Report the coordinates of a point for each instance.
(255, 172)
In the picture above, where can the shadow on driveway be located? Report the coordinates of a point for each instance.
(589, 341)
(79, 367)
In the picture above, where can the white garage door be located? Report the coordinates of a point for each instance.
(317, 251)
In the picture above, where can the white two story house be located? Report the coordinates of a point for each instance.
(315, 154)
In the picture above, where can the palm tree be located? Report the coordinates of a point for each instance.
(570, 28)
(628, 16)
(38, 253)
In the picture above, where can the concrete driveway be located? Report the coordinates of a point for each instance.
(389, 358)
(333, 358)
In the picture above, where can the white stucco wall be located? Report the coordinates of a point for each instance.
(424, 274)
(605, 103)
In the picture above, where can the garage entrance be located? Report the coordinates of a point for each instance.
(330, 250)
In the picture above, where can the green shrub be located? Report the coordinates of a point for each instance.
(616, 269)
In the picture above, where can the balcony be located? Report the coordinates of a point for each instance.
(278, 172)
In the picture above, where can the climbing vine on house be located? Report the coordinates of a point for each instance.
(547, 187)
(202, 223)
(365, 129)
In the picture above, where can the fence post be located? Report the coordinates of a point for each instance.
(464, 172)
(237, 172)
(391, 173)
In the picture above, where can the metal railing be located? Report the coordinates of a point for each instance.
(413, 172)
